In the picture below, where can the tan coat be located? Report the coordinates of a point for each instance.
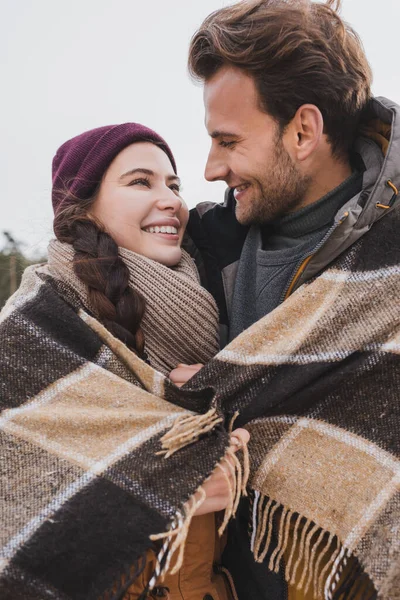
(196, 579)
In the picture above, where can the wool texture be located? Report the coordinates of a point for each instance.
(181, 318)
(85, 424)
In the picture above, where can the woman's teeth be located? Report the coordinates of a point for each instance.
(162, 229)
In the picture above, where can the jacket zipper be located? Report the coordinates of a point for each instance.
(301, 266)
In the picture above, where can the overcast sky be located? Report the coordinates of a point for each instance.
(70, 66)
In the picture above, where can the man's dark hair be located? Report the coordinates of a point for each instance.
(298, 52)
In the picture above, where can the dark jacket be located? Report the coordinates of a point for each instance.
(215, 238)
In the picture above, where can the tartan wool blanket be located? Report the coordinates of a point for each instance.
(99, 451)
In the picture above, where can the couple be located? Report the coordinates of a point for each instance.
(118, 443)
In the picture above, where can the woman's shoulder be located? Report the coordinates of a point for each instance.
(43, 314)
(40, 294)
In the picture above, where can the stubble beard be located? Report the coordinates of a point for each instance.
(279, 191)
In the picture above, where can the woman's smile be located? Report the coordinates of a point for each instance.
(140, 191)
(165, 229)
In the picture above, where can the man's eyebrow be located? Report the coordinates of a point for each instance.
(219, 134)
(150, 173)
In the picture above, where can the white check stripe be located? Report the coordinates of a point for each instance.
(255, 506)
(391, 347)
(47, 395)
(372, 510)
(158, 384)
(327, 593)
(84, 461)
(25, 533)
(100, 466)
(276, 453)
(386, 459)
(341, 435)
(97, 468)
(242, 358)
(360, 276)
(104, 356)
(50, 446)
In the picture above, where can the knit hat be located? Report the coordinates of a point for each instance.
(81, 162)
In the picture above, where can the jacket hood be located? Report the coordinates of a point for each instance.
(378, 149)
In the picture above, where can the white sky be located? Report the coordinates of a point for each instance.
(67, 67)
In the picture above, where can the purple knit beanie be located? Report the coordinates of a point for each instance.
(81, 162)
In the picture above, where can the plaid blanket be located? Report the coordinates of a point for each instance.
(99, 452)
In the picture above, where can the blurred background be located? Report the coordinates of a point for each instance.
(70, 66)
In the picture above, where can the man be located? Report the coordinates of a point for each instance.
(311, 161)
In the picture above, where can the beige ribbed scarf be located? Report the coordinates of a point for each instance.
(181, 319)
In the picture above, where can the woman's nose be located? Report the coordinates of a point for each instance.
(169, 200)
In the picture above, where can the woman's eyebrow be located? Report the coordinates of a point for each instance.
(138, 170)
(174, 178)
(150, 173)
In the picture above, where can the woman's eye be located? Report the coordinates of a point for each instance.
(140, 181)
(227, 144)
(175, 187)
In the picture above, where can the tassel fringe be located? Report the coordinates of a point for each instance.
(187, 430)
(175, 538)
(314, 560)
(184, 431)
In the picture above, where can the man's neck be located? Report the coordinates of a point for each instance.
(326, 180)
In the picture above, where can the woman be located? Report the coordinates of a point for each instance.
(119, 223)
(117, 187)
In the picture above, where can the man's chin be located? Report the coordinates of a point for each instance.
(243, 216)
(249, 217)
(258, 212)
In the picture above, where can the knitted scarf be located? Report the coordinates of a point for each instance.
(97, 469)
(181, 319)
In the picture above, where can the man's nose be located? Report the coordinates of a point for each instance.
(216, 168)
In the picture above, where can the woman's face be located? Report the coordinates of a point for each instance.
(139, 203)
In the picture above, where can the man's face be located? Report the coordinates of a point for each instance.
(248, 150)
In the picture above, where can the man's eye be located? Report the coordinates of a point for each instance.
(141, 181)
(227, 144)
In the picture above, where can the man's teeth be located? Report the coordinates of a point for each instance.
(242, 187)
(162, 229)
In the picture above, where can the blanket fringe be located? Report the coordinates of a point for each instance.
(184, 431)
(187, 430)
(314, 560)
(175, 538)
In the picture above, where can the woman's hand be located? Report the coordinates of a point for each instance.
(182, 373)
(216, 486)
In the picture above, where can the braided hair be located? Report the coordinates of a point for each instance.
(77, 170)
(98, 264)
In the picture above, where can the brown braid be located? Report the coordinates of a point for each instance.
(97, 263)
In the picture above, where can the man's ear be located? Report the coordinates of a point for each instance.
(305, 131)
